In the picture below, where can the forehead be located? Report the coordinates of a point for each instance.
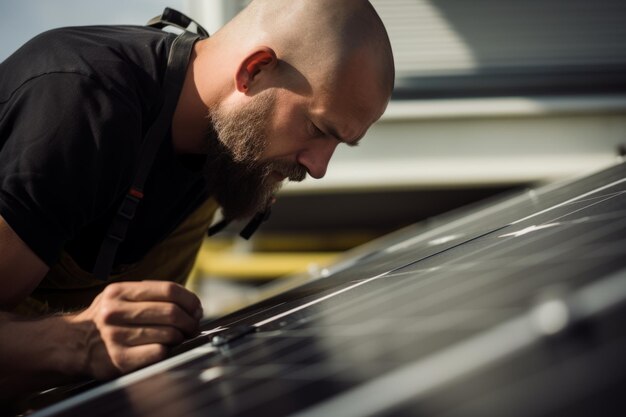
(351, 104)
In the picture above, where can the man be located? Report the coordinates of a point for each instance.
(268, 97)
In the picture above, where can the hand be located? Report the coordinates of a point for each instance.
(130, 324)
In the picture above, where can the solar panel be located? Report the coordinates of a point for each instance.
(515, 307)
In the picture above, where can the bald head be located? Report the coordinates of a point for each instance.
(284, 83)
(318, 38)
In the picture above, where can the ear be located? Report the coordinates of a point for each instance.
(261, 59)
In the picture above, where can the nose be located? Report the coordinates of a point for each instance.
(316, 158)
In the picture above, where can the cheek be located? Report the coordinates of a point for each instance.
(285, 131)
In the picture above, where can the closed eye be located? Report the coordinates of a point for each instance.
(315, 131)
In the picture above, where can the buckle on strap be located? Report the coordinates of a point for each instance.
(129, 205)
(125, 213)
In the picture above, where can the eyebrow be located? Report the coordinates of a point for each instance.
(334, 133)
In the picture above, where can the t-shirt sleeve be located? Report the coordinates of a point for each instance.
(68, 145)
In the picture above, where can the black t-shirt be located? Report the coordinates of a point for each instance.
(75, 104)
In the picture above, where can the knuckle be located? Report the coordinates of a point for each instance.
(169, 289)
(112, 291)
(171, 313)
(115, 334)
(119, 358)
(107, 312)
(123, 361)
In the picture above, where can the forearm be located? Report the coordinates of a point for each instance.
(40, 353)
(127, 326)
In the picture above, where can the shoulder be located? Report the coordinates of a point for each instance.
(67, 148)
(119, 57)
(94, 41)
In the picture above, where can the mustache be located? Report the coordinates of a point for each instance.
(291, 170)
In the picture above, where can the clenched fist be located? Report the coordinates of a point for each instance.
(131, 324)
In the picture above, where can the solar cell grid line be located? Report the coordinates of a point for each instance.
(113, 387)
(526, 292)
(347, 349)
(313, 300)
(497, 242)
(158, 404)
(523, 204)
(238, 385)
(421, 377)
(296, 363)
(591, 200)
(411, 257)
(370, 298)
(287, 376)
(400, 258)
(493, 254)
(245, 354)
(579, 198)
(344, 316)
(380, 326)
(238, 360)
(338, 314)
(441, 298)
(377, 297)
(310, 352)
(575, 236)
(576, 209)
(557, 249)
(299, 301)
(255, 350)
(532, 277)
(563, 253)
(325, 325)
(196, 379)
(536, 199)
(387, 339)
(479, 215)
(338, 292)
(441, 225)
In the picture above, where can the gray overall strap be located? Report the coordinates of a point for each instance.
(177, 62)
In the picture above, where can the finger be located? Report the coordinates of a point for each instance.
(156, 291)
(149, 313)
(128, 359)
(145, 335)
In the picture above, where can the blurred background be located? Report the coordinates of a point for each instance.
(491, 96)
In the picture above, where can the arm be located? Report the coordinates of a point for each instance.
(128, 325)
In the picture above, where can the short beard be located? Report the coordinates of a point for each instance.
(239, 181)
